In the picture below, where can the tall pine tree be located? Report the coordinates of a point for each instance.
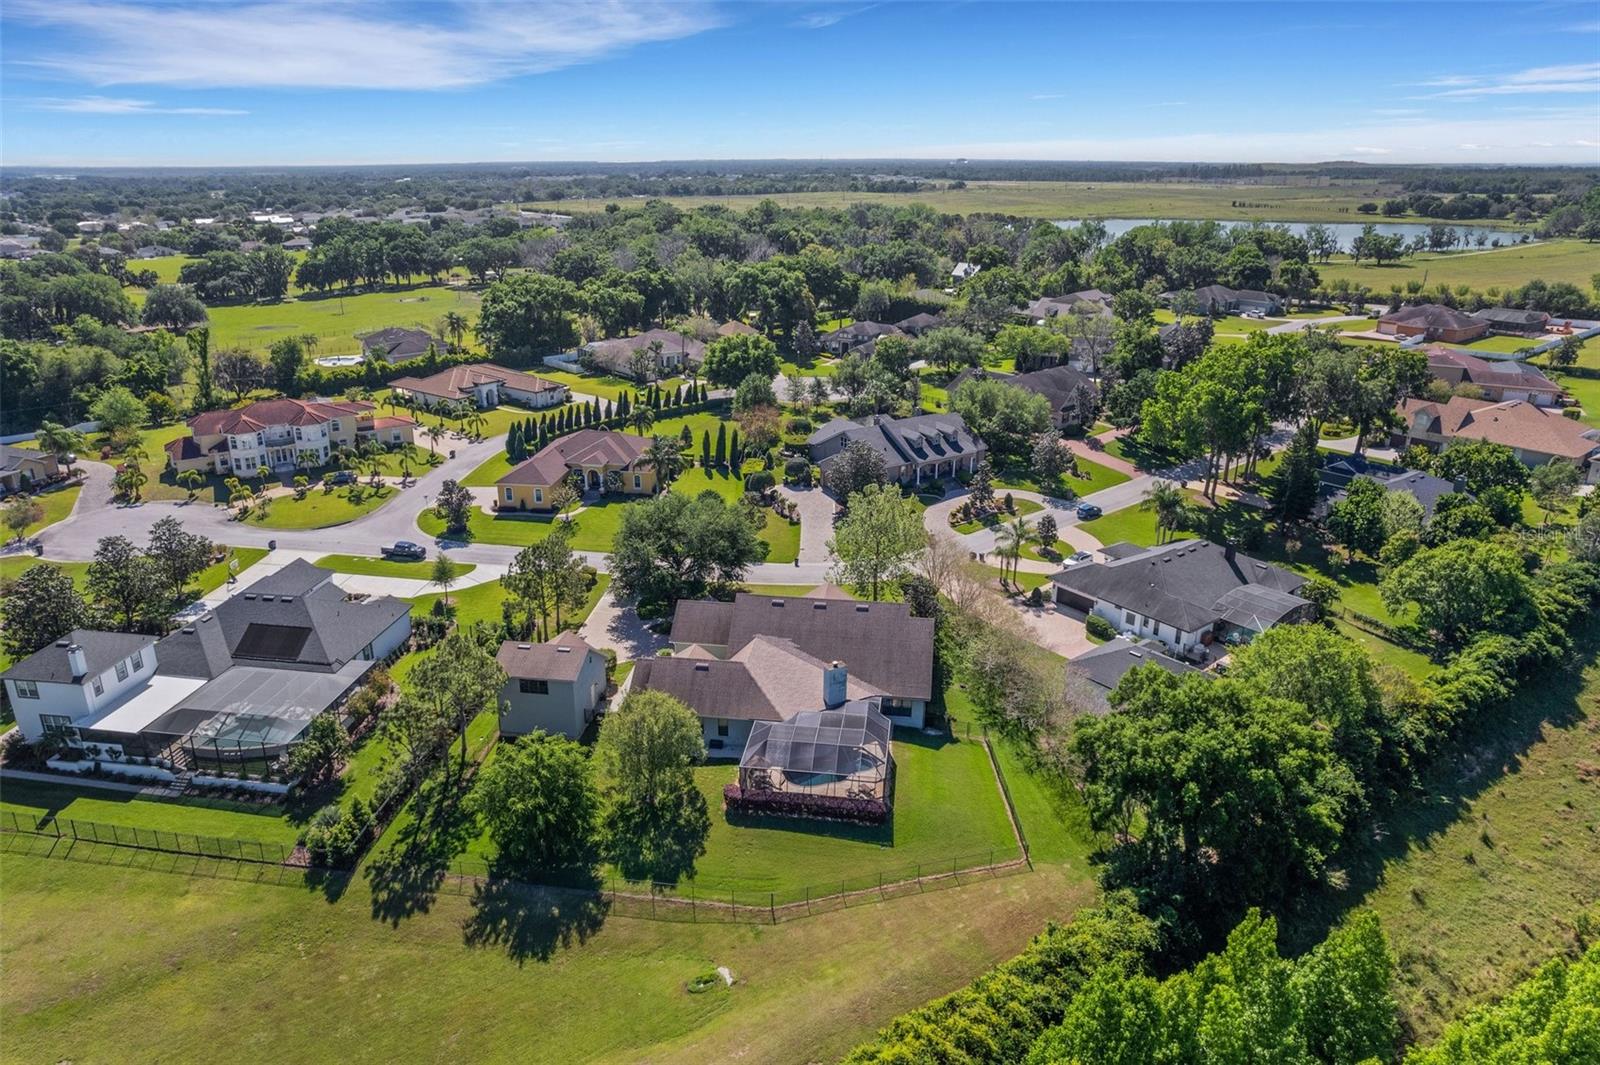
(705, 449)
(722, 443)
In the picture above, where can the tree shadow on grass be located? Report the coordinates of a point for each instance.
(529, 921)
(406, 876)
(659, 843)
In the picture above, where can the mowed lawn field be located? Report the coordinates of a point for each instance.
(1075, 199)
(335, 320)
(1574, 261)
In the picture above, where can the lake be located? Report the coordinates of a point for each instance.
(1467, 234)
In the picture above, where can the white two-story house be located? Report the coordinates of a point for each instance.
(276, 432)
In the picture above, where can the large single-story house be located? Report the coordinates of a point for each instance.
(849, 337)
(397, 344)
(483, 384)
(918, 324)
(1104, 667)
(677, 352)
(154, 251)
(735, 328)
(600, 455)
(769, 658)
(1072, 394)
(22, 468)
(1514, 321)
(1336, 474)
(1433, 321)
(556, 686)
(1536, 434)
(926, 447)
(1499, 380)
(241, 681)
(275, 433)
(1188, 595)
(1220, 299)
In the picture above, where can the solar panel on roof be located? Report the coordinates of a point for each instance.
(280, 643)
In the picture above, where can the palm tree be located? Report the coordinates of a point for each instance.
(444, 575)
(191, 480)
(642, 418)
(433, 433)
(665, 459)
(455, 327)
(129, 480)
(475, 421)
(62, 442)
(1166, 499)
(408, 455)
(1011, 538)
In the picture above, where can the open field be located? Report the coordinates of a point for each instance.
(1070, 199)
(335, 320)
(1480, 878)
(1574, 261)
(278, 959)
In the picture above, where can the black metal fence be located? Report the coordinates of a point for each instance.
(152, 839)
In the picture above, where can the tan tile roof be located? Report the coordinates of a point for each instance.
(586, 447)
(457, 382)
(1513, 423)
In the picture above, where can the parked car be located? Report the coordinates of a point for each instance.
(406, 549)
(1077, 557)
(341, 477)
(1088, 511)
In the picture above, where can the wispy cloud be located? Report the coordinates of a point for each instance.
(1584, 27)
(358, 45)
(1047, 96)
(1169, 103)
(112, 105)
(1367, 149)
(821, 20)
(1569, 78)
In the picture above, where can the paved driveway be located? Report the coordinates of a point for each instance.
(816, 521)
(619, 628)
(1055, 629)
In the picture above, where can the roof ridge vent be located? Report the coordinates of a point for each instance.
(861, 608)
(524, 646)
(563, 650)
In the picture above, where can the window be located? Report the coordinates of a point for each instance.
(508, 495)
(99, 686)
(538, 495)
(26, 689)
(533, 687)
(896, 708)
(137, 660)
(335, 426)
(1127, 617)
(58, 725)
(636, 482)
(122, 671)
(722, 726)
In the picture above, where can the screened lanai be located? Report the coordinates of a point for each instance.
(842, 753)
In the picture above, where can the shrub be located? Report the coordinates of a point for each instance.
(1036, 597)
(1099, 628)
(758, 482)
(798, 472)
(798, 426)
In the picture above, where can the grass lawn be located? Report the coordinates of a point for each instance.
(1090, 477)
(779, 589)
(1479, 878)
(383, 567)
(206, 581)
(335, 320)
(602, 385)
(57, 504)
(212, 577)
(1575, 261)
(270, 951)
(320, 509)
(1024, 508)
(592, 527)
(1052, 817)
(1061, 547)
(205, 817)
(782, 537)
(481, 602)
(489, 472)
(1133, 524)
(1501, 344)
(1586, 390)
(725, 484)
(14, 566)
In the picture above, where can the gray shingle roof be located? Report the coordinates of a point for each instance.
(561, 659)
(302, 596)
(1180, 584)
(1107, 664)
(925, 438)
(101, 651)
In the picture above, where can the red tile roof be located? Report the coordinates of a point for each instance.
(457, 382)
(586, 447)
(269, 412)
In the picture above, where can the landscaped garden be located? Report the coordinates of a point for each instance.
(320, 508)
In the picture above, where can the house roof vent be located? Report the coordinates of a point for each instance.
(524, 646)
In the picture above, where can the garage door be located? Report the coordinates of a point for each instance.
(1072, 599)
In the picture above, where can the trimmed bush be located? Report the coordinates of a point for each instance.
(1099, 628)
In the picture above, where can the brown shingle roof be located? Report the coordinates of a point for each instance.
(1514, 423)
(1432, 316)
(586, 447)
(559, 659)
(768, 679)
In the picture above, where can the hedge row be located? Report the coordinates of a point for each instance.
(799, 804)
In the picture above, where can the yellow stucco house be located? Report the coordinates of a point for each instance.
(596, 453)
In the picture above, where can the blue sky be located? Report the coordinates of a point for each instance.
(108, 82)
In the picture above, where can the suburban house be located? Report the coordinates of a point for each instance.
(963, 271)
(1498, 380)
(1336, 474)
(735, 328)
(22, 468)
(1104, 667)
(397, 344)
(1073, 397)
(1220, 299)
(1513, 321)
(297, 244)
(1188, 594)
(556, 686)
(482, 384)
(849, 337)
(241, 681)
(609, 461)
(918, 324)
(1536, 434)
(928, 446)
(1433, 321)
(154, 251)
(275, 432)
(677, 352)
(770, 658)
(1089, 302)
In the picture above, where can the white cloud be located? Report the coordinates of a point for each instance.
(1568, 78)
(112, 105)
(1367, 149)
(821, 20)
(354, 46)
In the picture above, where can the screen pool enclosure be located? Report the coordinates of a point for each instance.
(839, 754)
